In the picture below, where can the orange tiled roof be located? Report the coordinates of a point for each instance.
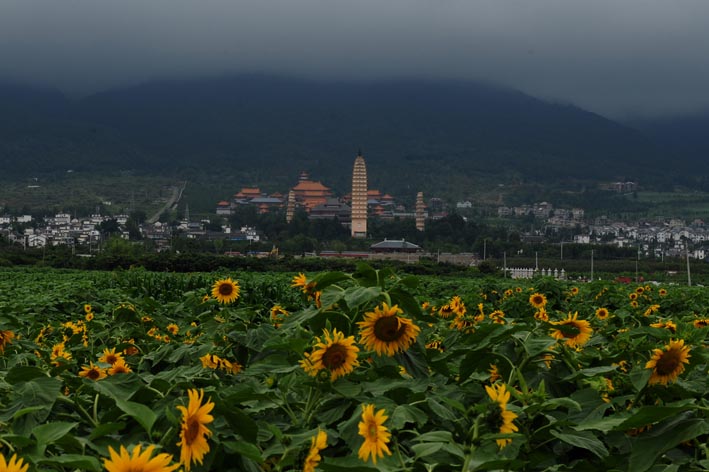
(310, 185)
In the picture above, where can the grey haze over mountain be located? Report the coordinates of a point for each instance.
(619, 59)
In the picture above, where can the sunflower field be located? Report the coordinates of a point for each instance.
(363, 371)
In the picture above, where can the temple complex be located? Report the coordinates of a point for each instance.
(309, 193)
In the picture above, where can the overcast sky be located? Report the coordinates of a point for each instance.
(614, 57)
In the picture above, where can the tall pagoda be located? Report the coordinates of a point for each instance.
(359, 198)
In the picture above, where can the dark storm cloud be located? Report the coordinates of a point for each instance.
(613, 57)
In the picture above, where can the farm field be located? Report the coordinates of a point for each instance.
(362, 371)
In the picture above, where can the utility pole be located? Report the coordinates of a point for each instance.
(689, 275)
(504, 263)
(536, 261)
(485, 249)
(562, 250)
(637, 262)
(591, 264)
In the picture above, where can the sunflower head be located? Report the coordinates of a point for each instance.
(572, 331)
(317, 444)
(123, 461)
(499, 419)
(376, 435)
(225, 290)
(119, 367)
(662, 292)
(334, 353)
(602, 313)
(15, 464)
(668, 363)
(193, 430)
(538, 300)
(6, 338)
(385, 332)
(92, 372)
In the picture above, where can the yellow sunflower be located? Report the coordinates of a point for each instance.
(15, 464)
(301, 281)
(317, 444)
(89, 316)
(193, 432)
(494, 373)
(92, 372)
(376, 435)
(334, 352)
(58, 353)
(498, 316)
(633, 296)
(110, 356)
(173, 329)
(225, 290)
(119, 367)
(278, 315)
(139, 461)
(662, 292)
(634, 304)
(703, 323)
(87, 308)
(665, 324)
(668, 364)
(651, 309)
(575, 332)
(602, 313)
(500, 419)
(385, 332)
(538, 300)
(639, 290)
(446, 310)
(6, 338)
(574, 291)
(541, 315)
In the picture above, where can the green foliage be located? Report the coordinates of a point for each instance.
(588, 407)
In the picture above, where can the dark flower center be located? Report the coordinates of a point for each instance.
(494, 419)
(570, 329)
(192, 430)
(335, 356)
(668, 362)
(225, 289)
(93, 374)
(389, 329)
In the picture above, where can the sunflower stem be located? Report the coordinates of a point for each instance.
(166, 436)
(95, 409)
(79, 408)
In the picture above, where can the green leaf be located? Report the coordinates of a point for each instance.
(345, 464)
(435, 436)
(601, 424)
(649, 446)
(639, 378)
(245, 449)
(404, 414)
(105, 429)
(584, 440)
(139, 412)
(23, 373)
(535, 346)
(651, 414)
(50, 432)
(426, 449)
(76, 461)
(32, 404)
(331, 295)
(357, 296)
